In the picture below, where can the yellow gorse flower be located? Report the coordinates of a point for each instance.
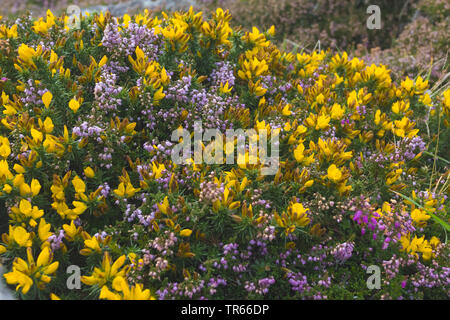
(126, 190)
(44, 230)
(227, 201)
(400, 107)
(217, 30)
(91, 245)
(71, 231)
(124, 292)
(108, 272)
(89, 172)
(334, 174)
(6, 32)
(47, 98)
(446, 107)
(26, 212)
(27, 273)
(296, 216)
(405, 128)
(176, 35)
(256, 38)
(318, 122)
(26, 55)
(419, 245)
(224, 88)
(252, 68)
(5, 173)
(79, 185)
(419, 217)
(42, 26)
(5, 149)
(19, 236)
(74, 105)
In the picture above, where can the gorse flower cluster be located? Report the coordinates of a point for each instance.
(87, 178)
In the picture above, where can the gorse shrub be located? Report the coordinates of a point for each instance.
(87, 177)
(39, 7)
(413, 37)
(337, 24)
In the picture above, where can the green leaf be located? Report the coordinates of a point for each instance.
(440, 158)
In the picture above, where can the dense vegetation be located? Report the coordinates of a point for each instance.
(87, 177)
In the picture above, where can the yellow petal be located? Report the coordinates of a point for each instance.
(35, 187)
(54, 297)
(48, 125)
(117, 264)
(89, 172)
(185, 232)
(47, 98)
(74, 105)
(43, 258)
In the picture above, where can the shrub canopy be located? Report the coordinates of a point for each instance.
(87, 177)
